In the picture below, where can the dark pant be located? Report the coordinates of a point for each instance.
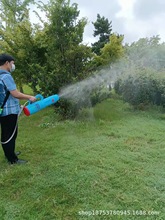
(8, 124)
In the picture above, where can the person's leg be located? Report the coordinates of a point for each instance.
(8, 125)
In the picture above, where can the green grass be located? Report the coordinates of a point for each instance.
(115, 161)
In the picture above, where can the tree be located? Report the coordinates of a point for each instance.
(103, 29)
(13, 12)
(147, 53)
(111, 52)
(16, 36)
(66, 58)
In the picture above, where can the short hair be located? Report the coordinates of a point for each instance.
(5, 57)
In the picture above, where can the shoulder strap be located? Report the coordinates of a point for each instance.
(6, 98)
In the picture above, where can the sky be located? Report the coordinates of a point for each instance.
(134, 19)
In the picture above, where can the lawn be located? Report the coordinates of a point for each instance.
(109, 164)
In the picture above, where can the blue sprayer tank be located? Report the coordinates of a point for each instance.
(34, 107)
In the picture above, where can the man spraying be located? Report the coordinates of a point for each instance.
(10, 108)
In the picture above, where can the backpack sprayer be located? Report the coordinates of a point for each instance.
(34, 107)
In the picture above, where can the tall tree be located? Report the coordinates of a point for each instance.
(66, 57)
(16, 35)
(103, 29)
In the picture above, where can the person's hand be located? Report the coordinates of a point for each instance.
(32, 99)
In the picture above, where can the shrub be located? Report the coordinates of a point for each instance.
(142, 88)
(70, 108)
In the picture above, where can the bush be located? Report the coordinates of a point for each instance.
(70, 108)
(142, 88)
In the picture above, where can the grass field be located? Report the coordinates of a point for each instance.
(108, 165)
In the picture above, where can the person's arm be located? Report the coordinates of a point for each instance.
(19, 95)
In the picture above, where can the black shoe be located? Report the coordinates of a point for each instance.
(19, 161)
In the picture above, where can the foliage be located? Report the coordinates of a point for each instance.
(17, 38)
(111, 52)
(66, 58)
(51, 55)
(142, 81)
(138, 88)
(103, 29)
(13, 12)
(147, 52)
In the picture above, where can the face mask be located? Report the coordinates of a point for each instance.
(12, 67)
